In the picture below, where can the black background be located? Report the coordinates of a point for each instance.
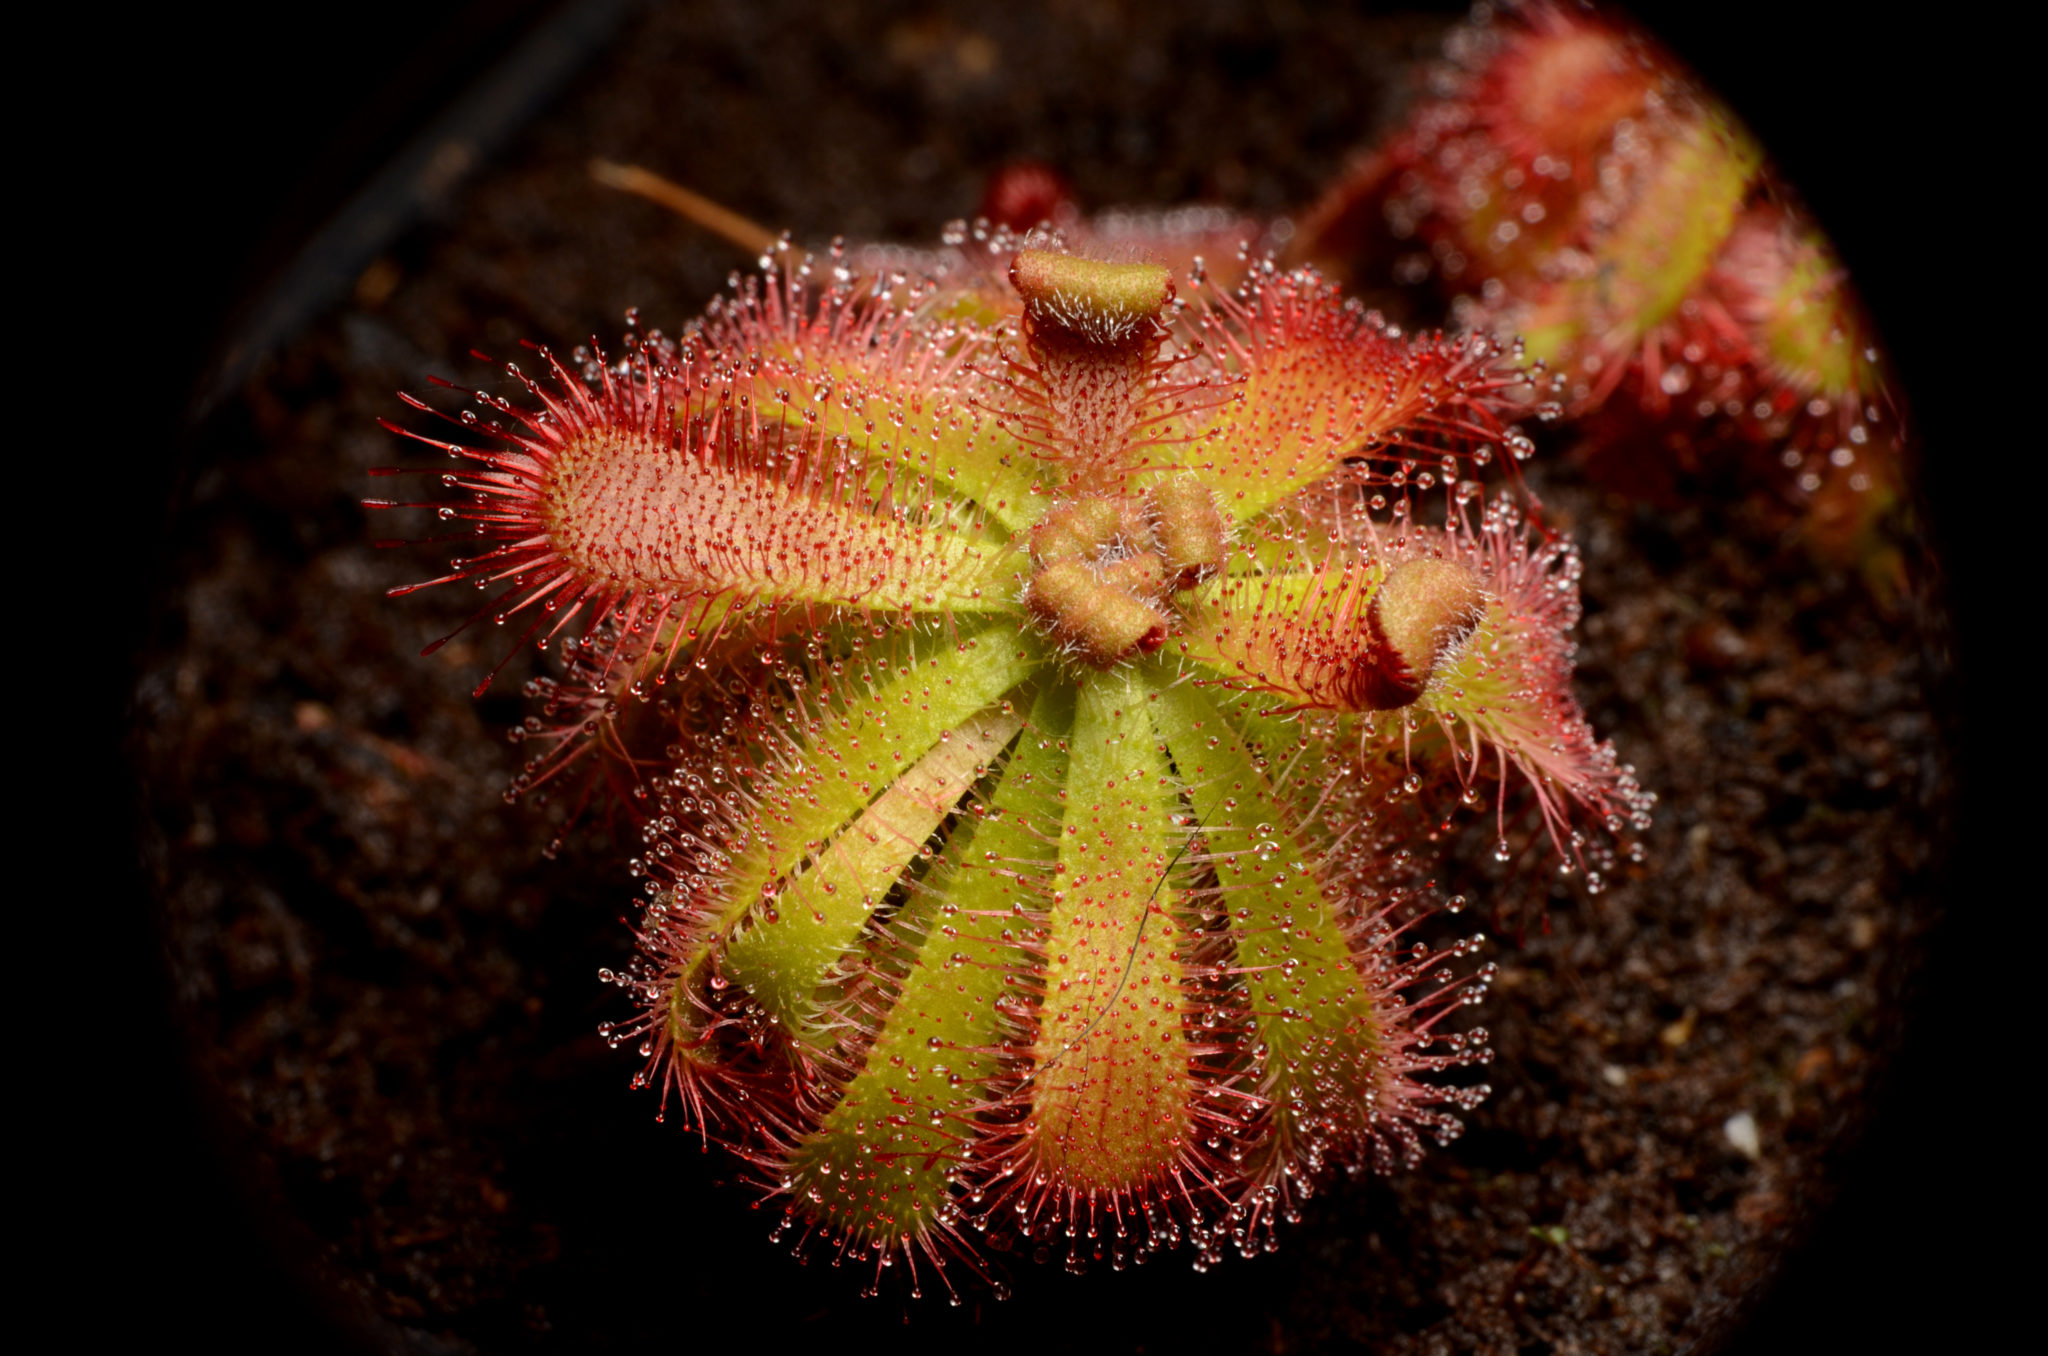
(231, 138)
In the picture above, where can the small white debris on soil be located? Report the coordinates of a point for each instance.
(1742, 1133)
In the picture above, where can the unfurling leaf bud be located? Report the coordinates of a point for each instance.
(1423, 608)
(1078, 529)
(1087, 299)
(1192, 532)
(1105, 622)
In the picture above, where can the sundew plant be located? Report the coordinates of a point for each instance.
(1563, 179)
(1039, 683)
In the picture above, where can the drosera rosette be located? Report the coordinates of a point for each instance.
(1564, 179)
(1007, 869)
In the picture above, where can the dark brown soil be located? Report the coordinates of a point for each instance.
(396, 991)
